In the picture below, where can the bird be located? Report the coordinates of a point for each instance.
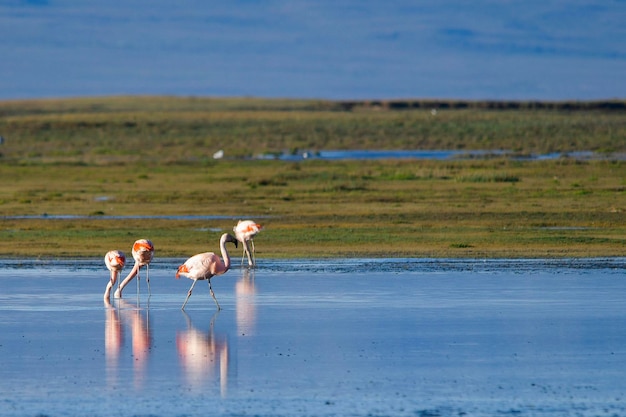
(115, 261)
(245, 231)
(143, 251)
(205, 266)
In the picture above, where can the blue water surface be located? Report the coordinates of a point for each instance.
(313, 337)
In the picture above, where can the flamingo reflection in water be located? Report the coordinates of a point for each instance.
(245, 303)
(113, 341)
(139, 321)
(204, 356)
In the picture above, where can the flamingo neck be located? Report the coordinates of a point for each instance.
(107, 291)
(225, 255)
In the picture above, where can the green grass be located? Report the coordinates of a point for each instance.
(189, 130)
(318, 208)
(152, 157)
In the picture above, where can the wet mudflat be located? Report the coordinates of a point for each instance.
(317, 338)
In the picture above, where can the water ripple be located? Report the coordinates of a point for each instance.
(351, 265)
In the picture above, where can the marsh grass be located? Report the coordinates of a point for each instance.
(320, 208)
(189, 130)
(141, 157)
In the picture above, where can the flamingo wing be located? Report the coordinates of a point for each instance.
(200, 266)
(246, 229)
(115, 260)
(143, 250)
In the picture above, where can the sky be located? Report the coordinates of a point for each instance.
(328, 49)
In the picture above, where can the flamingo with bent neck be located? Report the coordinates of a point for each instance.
(114, 260)
(143, 251)
(245, 231)
(205, 266)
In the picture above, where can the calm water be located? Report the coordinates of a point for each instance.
(405, 337)
(438, 155)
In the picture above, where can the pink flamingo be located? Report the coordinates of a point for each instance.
(205, 266)
(245, 231)
(143, 251)
(114, 260)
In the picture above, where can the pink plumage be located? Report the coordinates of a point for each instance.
(114, 261)
(201, 266)
(205, 266)
(245, 231)
(143, 252)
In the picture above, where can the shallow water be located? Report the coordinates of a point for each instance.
(438, 155)
(306, 337)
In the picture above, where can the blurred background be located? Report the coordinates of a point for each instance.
(346, 49)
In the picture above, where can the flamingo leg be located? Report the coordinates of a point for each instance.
(148, 279)
(246, 251)
(253, 252)
(189, 294)
(213, 295)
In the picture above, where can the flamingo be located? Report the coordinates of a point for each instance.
(114, 260)
(205, 266)
(245, 231)
(143, 251)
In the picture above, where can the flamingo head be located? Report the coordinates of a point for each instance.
(230, 238)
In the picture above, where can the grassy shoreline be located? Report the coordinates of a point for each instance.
(320, 209)
(140, 157)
